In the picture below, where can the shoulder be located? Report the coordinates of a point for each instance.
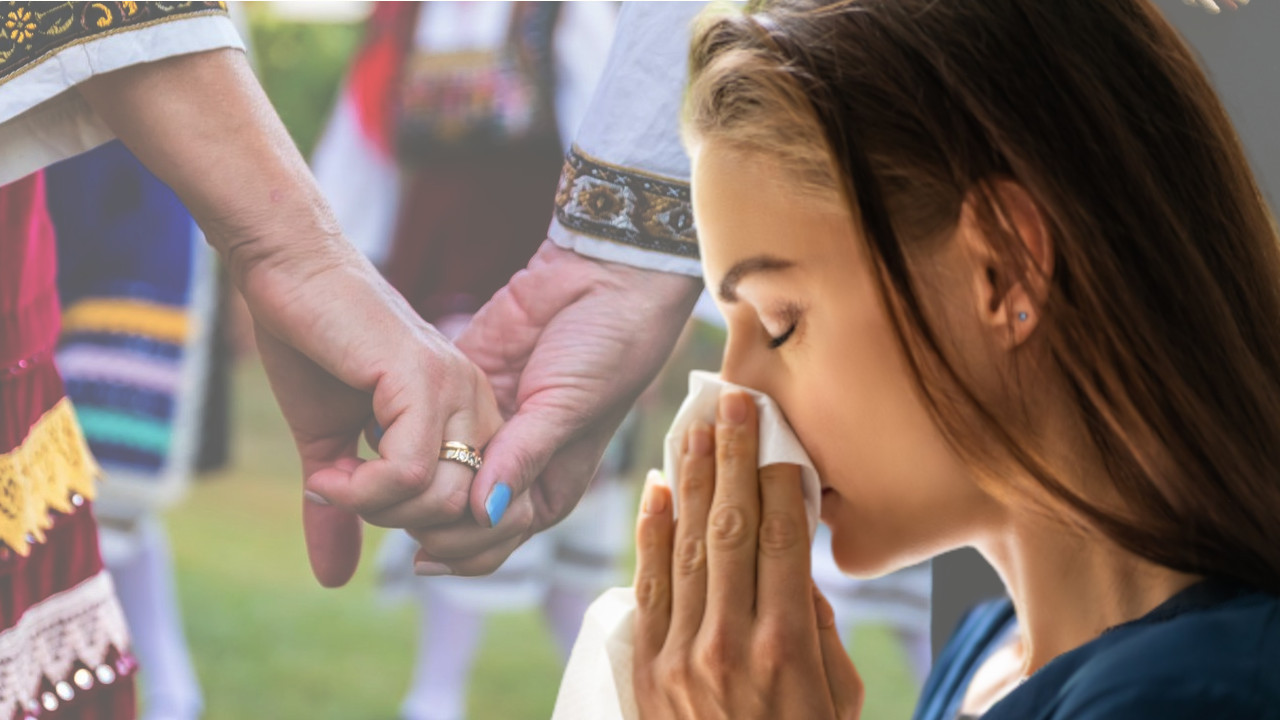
(1223, 662)
(974, 632)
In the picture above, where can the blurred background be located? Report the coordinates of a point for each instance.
(266, 641)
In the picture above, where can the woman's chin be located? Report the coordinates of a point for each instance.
(858, 557)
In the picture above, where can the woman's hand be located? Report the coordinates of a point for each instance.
(728, 621)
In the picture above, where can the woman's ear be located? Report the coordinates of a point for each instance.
(1009, 301)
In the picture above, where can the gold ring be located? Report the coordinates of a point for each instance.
(461, 453)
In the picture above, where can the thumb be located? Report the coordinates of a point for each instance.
(517, 455)
(333, 534)
(843, 681)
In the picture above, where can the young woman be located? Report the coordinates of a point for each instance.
(1006, 270)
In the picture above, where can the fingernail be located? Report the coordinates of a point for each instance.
(314, 498)
(655, 501)
(378, 432)
(496, 505)
(700, 440)
(733, 407)
(424, 567)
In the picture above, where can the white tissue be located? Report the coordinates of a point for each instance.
(597, 679)
(778, 443)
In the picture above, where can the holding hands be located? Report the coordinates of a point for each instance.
(728, 621)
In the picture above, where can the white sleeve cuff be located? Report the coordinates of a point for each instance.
(42, 123)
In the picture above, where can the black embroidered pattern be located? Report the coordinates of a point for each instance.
(625, 206)
(31, 31)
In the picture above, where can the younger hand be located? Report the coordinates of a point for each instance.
(728, 622)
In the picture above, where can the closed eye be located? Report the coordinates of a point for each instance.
(791, 313)
(777, 342)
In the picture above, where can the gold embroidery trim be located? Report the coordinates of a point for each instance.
(40, 476)
(626, 206)
(20, 44)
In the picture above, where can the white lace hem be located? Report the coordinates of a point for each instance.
(65, 638)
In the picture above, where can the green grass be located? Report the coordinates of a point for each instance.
(300, 66)
(270, 643)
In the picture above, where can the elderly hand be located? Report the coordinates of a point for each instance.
(567, 345)
(728, 621)
(346, 352)
(341, 347)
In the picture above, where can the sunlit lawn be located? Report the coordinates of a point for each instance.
(270, 643)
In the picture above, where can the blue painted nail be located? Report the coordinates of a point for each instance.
(378, 432)
(496, 505)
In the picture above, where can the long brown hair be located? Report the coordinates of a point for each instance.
(1163, 312)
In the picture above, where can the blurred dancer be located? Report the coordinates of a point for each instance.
(138, 294)
(441, 161)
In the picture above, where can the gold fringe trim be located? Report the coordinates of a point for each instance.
(40, 476)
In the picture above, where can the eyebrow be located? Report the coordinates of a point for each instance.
(758, 264)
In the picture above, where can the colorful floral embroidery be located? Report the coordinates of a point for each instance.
(41, 475)
(19, 26)
(33, 31)
(626, 206)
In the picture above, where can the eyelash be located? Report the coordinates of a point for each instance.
(775, 343)
(792, 312)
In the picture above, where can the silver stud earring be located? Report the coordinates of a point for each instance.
(1022, 316)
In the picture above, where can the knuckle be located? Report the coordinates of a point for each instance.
(717, 654)
(731, 444)
(652, 528)
(652, 593)
(729, 527)
(451, 504)
(773, 648)
(691, 556)
(672, 671)
(694, 480)
(415, 477)
(780, 534)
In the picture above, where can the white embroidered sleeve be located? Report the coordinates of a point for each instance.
(624, 192)
(49, 48)
(584, 34)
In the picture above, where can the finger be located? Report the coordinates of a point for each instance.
(653, 570)
(689, 563)
(445, 497)
(476, 428)
(401, 473)
(484, 563)
(409, 485)
(735, 511)
(843, 682)
(466, 538)
(521, 449)
(333, 535)
(783, 562)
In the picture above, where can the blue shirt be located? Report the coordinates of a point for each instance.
(1211, 651)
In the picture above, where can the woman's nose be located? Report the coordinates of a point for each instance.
(744, 365)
